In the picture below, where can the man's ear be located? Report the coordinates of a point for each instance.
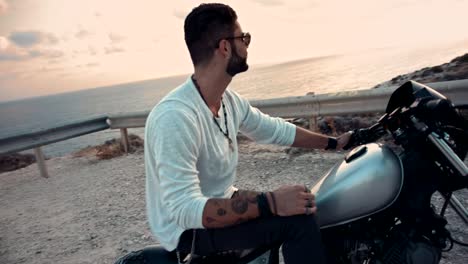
(225, 48)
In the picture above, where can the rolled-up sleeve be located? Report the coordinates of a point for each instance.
(175, 148)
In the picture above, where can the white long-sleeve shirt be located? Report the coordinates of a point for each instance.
(188, 160)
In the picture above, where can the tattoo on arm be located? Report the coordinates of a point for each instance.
(250, 195)
(239, 205)
(221, 212)
(226, 212)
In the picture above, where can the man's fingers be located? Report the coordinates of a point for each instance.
(307, 196)
(307, 203)
(309, 210)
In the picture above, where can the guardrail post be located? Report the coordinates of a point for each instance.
(41, 162)
(313, 125)
(124, 139)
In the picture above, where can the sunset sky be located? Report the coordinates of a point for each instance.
(53, 46)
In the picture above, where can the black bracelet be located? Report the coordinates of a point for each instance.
(332, 143)
(263, 207)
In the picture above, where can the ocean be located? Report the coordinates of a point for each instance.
(360, 70)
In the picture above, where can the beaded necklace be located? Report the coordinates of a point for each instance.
(226, 134)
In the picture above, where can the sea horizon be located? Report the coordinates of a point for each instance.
(176, 75)
(324, 74)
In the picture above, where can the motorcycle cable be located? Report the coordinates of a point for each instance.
(442, 213)
(453, 240)
(446, 203)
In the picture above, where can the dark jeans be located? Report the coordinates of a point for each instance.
(299, 235)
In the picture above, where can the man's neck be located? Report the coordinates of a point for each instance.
(212, 84)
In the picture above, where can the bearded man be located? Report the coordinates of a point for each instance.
(191, 154)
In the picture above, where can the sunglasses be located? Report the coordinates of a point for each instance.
(245, 37)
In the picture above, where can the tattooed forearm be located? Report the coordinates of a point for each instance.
(226, 212)
(221, 212)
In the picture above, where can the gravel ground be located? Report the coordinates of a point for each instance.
(93, 211)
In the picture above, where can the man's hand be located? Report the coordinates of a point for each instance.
(294, 200)
(343, 139)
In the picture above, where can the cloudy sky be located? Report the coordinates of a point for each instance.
(52, 46)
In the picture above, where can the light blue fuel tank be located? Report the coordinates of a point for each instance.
(367, 181)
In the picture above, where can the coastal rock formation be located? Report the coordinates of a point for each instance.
(112, 148)
(456, 69)
(336, 125)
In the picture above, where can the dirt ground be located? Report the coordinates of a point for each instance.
(93, 211)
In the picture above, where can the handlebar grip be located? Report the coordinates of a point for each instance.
(358, 137)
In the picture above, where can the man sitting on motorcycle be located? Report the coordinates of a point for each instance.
(191, 155)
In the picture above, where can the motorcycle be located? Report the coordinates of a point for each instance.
(375, 205)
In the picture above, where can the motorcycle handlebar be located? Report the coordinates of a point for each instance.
(364, 136)
(445, 149)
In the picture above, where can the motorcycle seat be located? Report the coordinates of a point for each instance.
(149, 255)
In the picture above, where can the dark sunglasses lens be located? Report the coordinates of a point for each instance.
(246, 39)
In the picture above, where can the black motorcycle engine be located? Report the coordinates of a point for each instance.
(404, 249)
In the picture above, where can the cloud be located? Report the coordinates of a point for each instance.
(92, 51)
(53, 61)
(4, 43)
(26, 38)
(269, 2)
(82, 33)
(3, 6)
(113, 49)
(12, 55)
(180, 14)
(51, 38)
(88, 65)
(9, 52)
(51, 69)
(50, 54)
(92, 64)
(31, 38)
(116, 38)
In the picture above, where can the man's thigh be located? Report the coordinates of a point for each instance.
(262, 232)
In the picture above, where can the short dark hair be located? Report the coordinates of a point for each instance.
(205, 26)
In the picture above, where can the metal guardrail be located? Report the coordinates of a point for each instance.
(130, 120)
(312, 106)
(40, 138)
(52, 135)
(350, 102)
(124, 121)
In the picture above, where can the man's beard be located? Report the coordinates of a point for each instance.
(236, 64)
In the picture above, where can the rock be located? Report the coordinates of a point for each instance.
(302, 122)
(336, 125)
(456, 69)
(462, 59)
(10, 162)
(112, 148)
